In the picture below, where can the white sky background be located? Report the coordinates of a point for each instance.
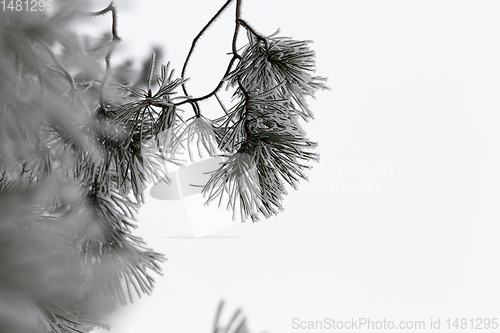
(400, 220)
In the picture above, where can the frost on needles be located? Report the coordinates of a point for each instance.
(261, 131)
(80, 142)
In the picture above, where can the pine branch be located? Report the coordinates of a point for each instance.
(108, 156)
(271, 80)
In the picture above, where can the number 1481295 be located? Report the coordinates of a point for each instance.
(27, 5)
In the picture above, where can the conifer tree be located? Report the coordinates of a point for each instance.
(82, 138)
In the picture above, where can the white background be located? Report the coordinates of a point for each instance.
(412, 115)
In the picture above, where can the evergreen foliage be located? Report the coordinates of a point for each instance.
(80, 140)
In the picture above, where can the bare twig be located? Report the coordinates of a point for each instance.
(238, 22)
(107, 59)
(111, 8)
(237, 28)
(219, 86)
(193, 103)
(115, 39)
(254, 32)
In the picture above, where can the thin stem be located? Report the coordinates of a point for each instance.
(95, 190)
(195, 40)
(235, 57)
(160, 104)
(237, 28)
(111, 8)
(247, 99)
(254, 32)
(196, 108)
(106, 76)
(221, 104)
(245, 93)
(219, 86)
(238, 22)
(151, 72)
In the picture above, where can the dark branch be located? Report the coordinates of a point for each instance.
(216, 90)
(237, 28)
(248, 133)
(115, 39)
(106, 74)
(254, 32)
(235, 57)
(111, 8)
(191, 50)
(238, 22)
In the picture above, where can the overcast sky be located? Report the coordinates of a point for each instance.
(400, 219)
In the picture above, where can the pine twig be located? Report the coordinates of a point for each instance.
(193, 102)
(115, 39)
